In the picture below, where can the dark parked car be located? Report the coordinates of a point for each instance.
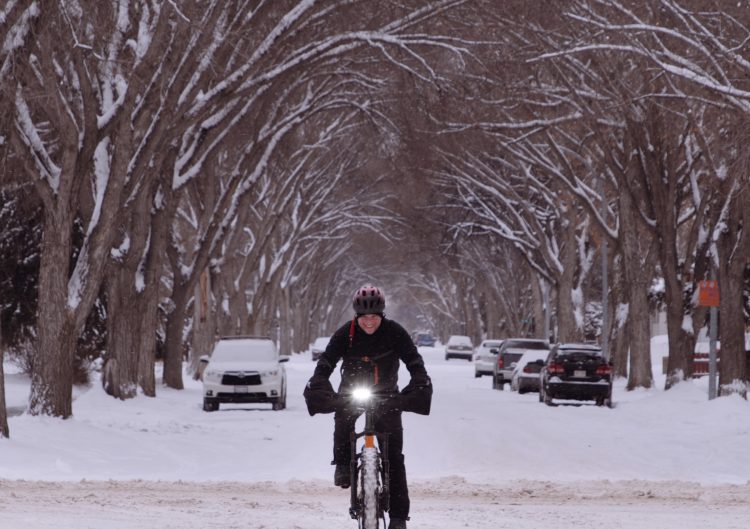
(424, 339)
(577, 372)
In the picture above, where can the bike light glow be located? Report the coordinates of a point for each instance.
(361, 394)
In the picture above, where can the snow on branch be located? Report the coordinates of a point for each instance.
(48, 170)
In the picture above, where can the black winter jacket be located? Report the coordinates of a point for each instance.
(385, 348)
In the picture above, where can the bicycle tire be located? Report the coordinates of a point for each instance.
(370, 489)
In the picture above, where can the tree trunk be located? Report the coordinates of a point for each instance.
(52, 373)
(568, 329)
(147, 336)
(620, 345)
(734, 256)
(120, 372)
(733, 364)
(636, 264)
(173, 353)
(204, 321)
(681, 340)
(149, 303)
(537, 300)
(4, 430)
(619, 334)
(286, 329)
(639, 332)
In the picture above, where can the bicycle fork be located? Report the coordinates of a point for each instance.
(385, 497)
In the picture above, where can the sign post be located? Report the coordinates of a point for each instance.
(708, 296)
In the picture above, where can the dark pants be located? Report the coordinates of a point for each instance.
(390, 423)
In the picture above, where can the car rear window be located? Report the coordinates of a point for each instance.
(241, 350)
(527, 344)
(579, 356)
(459, 340)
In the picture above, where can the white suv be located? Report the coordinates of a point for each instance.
(244, 369)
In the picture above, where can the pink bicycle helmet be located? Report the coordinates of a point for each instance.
(368, 299)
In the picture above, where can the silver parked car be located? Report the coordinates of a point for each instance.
(459, 347)
(510, 353)
(525, 375)
(485, 357)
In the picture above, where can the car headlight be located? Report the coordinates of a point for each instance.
(212, 373)
(272, 373)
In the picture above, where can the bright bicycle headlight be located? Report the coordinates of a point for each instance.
(361, 394)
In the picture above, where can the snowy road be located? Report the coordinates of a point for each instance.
(444, 504)
(483, 459)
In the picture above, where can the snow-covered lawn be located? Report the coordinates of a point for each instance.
(483, 458)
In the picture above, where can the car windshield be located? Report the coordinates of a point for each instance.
(244, 350)
(459, 340)
(527, 344)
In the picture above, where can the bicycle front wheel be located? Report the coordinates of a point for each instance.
(370, 488)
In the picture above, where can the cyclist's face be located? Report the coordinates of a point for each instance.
(369, 322)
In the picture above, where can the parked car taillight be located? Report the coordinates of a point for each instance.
(556, 369)
(604, 370)
(500, 362)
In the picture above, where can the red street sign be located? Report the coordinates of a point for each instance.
(708, 293)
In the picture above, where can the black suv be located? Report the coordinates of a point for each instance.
(578, 372)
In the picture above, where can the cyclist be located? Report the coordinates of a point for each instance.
(370, 334)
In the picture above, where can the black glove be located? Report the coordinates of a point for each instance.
(317, 382)
(319, 396)
(417, 395)
(418, 380)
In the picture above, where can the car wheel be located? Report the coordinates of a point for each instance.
(280, 402)
(477, 374)
(210, 405)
